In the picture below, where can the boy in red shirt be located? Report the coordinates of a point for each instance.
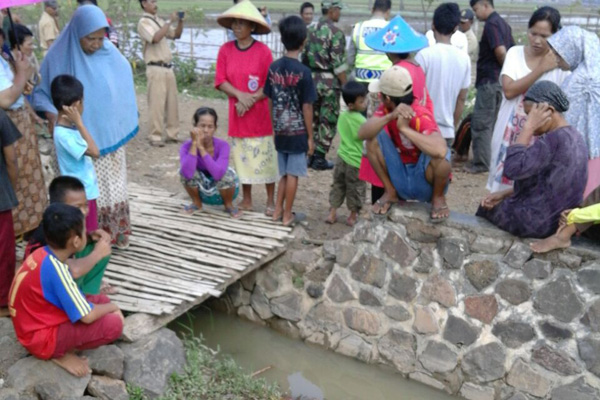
(51, 317)
(412, 161)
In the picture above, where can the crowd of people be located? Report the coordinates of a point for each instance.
(395, 97)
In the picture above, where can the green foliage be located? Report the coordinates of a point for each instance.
(185, 70)
(298, 281)
(209, 376)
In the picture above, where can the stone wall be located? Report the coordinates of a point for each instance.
(460, 306)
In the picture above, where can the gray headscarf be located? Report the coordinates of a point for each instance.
(548, 92)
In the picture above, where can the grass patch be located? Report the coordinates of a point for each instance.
(210, 376)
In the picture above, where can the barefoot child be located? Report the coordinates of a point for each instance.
(205, 172)
(345, 175)
(74, 144)
(88, 265)
(51, 317)
(291, 93)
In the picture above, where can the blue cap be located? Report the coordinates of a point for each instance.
(397, 37)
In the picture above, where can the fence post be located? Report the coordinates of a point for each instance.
(192, 43)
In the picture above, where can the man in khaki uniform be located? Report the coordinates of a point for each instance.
(162, 86)
(48, 25)
(465, 26)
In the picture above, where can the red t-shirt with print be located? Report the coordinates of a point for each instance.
(423, 122)
(246, 70)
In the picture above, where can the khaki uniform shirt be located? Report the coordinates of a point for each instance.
(48, 29)
(473, 46)
(155, 52)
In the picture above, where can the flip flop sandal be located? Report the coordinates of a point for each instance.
(437, 212)
(382, 205)
(270, 211)
(190, 209)
(235, 213)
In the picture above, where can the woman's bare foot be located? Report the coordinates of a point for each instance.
(352, 219)
(74, 365)
(332, 218)
(245, 205)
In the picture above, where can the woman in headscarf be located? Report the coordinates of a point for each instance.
(549, 175)
(242, 68)
(579, 51)
(30, 188)
(523, 66)
(110, 109)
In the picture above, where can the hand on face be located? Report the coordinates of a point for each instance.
(538, 117)
(404, 113)
(72, 113)
(549, 61)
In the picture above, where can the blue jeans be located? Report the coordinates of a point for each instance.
(408, 179)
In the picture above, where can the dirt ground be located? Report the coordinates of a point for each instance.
(154, 166)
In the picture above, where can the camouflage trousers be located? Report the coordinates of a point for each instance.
(326, 112)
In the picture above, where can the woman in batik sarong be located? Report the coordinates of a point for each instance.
(110, 109)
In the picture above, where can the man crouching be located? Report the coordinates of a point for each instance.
(411, 158)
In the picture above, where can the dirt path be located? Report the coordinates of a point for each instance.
(155, 166)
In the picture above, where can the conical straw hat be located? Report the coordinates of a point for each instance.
(397, 37)
(247, 11)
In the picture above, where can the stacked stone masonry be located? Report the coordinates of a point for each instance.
(460, 306)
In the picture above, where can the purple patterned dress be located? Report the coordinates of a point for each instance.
(549, 177)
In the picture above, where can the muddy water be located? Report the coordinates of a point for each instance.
(304, 371)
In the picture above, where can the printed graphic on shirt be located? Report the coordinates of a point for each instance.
(253, 83)
(287, 112)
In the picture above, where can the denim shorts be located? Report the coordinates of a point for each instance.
(408, 179)
(293, 164)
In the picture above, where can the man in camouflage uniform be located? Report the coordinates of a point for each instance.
(325, 55)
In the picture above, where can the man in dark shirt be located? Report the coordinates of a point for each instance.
(495, 42)
(9, 134)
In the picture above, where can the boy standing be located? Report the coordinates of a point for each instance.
(447, 71)
(162, 85)
(412, 160)
(74, 144)
(291, 93)
(345, 174)
(495, 42)
(51, 317)
(9, 134)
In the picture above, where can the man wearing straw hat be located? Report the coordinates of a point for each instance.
(325, 55)
(162, 86)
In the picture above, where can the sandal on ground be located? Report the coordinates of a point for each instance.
(331, 221)
(381, 204)
(190, 209)
(435, 212)
(350, 222)
(270, 211)
(234, 212)
(106, 288)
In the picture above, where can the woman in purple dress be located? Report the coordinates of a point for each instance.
(549, 176)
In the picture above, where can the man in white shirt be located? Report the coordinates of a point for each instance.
(447, 71)
(458, 40)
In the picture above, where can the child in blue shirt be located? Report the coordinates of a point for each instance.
(75, 147)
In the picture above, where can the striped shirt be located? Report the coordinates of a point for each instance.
(42, 297)
(496, 33)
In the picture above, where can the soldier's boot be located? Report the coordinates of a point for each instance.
(319, 163)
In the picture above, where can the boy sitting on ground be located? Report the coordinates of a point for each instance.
(51, 317)
(412, 161)
(291, 93)
(88, 265)
(345, 175)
